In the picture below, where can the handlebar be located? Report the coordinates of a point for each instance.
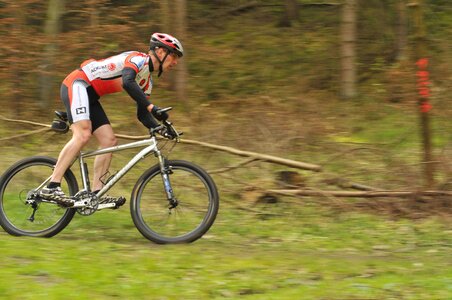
(165, 109)
(166, 129)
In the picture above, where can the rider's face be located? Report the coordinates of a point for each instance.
(171, 60)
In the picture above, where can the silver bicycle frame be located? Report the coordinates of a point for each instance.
(150, 144)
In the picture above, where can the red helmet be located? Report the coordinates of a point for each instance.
(168, 42)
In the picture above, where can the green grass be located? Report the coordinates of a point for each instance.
(288, 251)
(266, 94)
(292, 250)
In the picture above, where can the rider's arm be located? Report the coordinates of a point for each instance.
(133, 89)
(145, 117)
(144, 106)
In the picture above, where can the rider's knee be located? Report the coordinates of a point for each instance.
(84, 136)
(109, 141)
(82, 131)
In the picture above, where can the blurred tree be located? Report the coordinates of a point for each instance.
(94, 21)
(105, 27)
(174, 22)
(290, 13)
(52, 28)
(165, 14)
(348, 55)
(16, 48)
(180, 31)
(401, 41)
(167, 26)
(423, 85)
(16, 67)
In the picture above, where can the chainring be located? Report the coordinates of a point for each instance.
(91, 200)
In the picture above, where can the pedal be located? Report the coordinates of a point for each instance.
(111, 202)
(119, 202)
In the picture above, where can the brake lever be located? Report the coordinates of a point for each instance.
(169, 126)
(156, 129)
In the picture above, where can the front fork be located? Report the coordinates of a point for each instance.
(165, 171)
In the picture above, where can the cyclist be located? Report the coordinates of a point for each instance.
(80, 92)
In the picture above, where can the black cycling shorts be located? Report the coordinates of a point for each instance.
(82, 103)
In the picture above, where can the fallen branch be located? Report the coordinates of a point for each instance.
(253, 155)
(24, 122)
(229, 168)
(353, 194)
(25, 134)
(130, 137)
(263, 157)
(345, 184)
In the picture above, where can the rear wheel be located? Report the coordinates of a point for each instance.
(190, 217)
(33, 218)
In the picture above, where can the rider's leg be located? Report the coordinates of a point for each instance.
(106, 137)
(81, 133)
(74, 94)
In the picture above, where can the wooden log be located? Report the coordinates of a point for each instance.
(23, 122)
(262, 157)
(24, 134)
(357, 194)
(253, 155)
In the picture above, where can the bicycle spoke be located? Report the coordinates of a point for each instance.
(191, 216)
(32, 217)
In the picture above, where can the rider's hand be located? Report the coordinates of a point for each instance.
(161, 116)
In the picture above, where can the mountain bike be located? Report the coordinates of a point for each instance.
(174, 201)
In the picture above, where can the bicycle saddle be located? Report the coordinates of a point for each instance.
(62, 115)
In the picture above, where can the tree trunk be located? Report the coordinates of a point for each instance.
(18, 34)
(165, 14)
(94, 9)
(290, 13)
(401, 31)
(353, 194)
(180, 82)
(423, 83)
(348, 55)
(51, 29)
(166, 19)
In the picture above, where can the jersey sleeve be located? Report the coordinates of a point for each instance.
(131, 87)
(135, 61)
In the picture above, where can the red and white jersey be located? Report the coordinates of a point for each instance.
(105, 75)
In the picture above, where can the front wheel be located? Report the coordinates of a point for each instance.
(21, 213)
(193, 211)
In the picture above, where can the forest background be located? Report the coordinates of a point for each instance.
(286, 78)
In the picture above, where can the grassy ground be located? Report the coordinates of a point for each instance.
(295, 249)
(274, 100)
(284, 251)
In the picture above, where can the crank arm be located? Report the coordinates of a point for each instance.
(106, 205)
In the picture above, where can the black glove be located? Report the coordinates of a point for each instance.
(145, 117)
(161, 116)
